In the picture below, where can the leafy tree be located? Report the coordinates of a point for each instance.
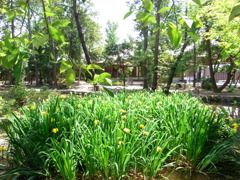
(224, 34)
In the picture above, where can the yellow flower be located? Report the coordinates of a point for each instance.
(32, 107)
(145, 133)
(139, 103)
(120, 142)
(46, 100)
(62, 96)
(235, 125)
(52, 119)
(215, 120)
(55, 130)
(231, 119)
(103, 102)
(159, 149)
(96, 122)
(2, 148)
(79, 105)
(141, 126)
(126, 130)
(212, 108)
(159, 103)
(235, 129)
(6, 115)
(124, 117)
(123, 111)
(89, 102)
(219, 131)
(57, 110)
(45, 114)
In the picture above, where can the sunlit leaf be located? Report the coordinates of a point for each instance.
(18, 70)
(104, 75)
(127, 14)
(174, 35)
(70, 76)
(142, 16)
(2, 54)
(193, 36)
(49, 14)
(110, 93)
(65, 66)
(235, 12)
(54, 32)
(61, 23)
(148, 5)
(49, 2)
(93, 66)
(162, 10)
(151, 20)
(40, 41)
(198, 2)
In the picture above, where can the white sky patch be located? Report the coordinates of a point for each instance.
(114, 10)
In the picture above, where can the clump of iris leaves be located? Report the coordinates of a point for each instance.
(103, 136)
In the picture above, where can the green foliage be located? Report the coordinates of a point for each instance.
(13, 99)
(206, 84)
(174, 34)
(235, 12)
(110, 136)
(198, 2)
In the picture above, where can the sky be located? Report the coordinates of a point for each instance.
(114, 10)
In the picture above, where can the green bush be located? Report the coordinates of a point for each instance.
(13, 99)
(206, 84)
(111, 136)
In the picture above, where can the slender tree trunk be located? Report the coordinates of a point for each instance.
(230, 74)
(81, 35)
(212, 73)
(145, 46)
(80, 32)
(195, 62)
(174, 68)
(210, 63)
(12, 22)
(156, 49)
(32, 45)
(52, 47)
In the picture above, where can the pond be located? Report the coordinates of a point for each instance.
(232, 109)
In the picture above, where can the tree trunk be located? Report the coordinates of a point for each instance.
(156, 49)
(12, 22)
(195, 62)
(145, 46)
(32, 45)
(212, 73)
(52, 47)
(80, 33)
(210, 63)
(174, 68)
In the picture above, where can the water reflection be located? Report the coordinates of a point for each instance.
(233, 110)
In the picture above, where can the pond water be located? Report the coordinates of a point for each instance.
(233, 110)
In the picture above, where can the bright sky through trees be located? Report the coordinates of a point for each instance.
(114, 10)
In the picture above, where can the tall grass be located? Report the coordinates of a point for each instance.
(107, 136)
